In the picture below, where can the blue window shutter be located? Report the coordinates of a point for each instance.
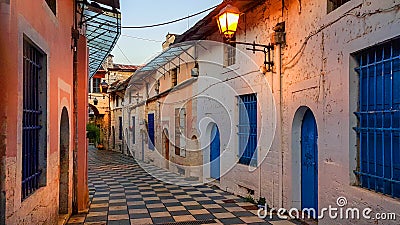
(247, 129)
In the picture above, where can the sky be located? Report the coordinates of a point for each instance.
(147, 12)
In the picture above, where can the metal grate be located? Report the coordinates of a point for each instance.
(190, 222)
(379, 118)
(31, 120)
(248, 129)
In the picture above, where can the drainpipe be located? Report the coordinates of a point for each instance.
(75, 37)
(281, 125)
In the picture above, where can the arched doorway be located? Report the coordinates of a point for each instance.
(64, 163)
(309, 162)
(166, 147)
(215, 168)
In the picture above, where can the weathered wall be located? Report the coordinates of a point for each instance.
(52, 34)
(317, 72)
(82, 109)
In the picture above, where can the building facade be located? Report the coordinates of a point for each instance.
(321, 124)
(43, 145)
(103, 102)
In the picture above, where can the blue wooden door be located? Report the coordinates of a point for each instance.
(151, 130)
(309, 162)
(214, 153)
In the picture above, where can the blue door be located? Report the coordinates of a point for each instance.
(151, 130)
(309, 163)
(214, 153)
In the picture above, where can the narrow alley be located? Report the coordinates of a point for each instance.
(122, 192)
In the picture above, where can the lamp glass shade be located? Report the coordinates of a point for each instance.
(228, 20)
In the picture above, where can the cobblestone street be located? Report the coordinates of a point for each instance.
(122, 192)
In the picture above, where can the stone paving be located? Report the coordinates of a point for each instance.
(122, 192)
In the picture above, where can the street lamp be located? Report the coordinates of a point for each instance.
(228, 20)
(103, 87)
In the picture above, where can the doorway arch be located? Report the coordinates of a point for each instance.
(64, 196)
(304, 160)
(166, 143)
(215, 151)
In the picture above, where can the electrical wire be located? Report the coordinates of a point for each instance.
(169, 22)
(124, 54)
(140, 38)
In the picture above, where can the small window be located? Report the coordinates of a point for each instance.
(174, 77)
(157, 88)
(52, 5)
(334, 4)
(180, 130)
(117, 101)
(230, 54)
(96, 85)
(34, 122)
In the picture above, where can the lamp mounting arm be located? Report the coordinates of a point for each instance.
(266, 49)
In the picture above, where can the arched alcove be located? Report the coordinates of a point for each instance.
(64, 163)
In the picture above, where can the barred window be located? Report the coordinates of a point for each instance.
(96, 85)
(34, 133)
(229, 54)
(378, 117)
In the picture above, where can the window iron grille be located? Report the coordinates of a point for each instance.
(31, 123)
(379, 118)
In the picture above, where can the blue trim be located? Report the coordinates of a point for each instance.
(248, 129)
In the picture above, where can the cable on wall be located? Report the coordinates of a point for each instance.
(293, 61)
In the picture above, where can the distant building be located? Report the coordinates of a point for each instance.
(119, 133)
(100, 103)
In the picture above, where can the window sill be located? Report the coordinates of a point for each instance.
(337, 13)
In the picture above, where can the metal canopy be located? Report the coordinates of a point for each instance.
(168, 55)
(103, 28)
